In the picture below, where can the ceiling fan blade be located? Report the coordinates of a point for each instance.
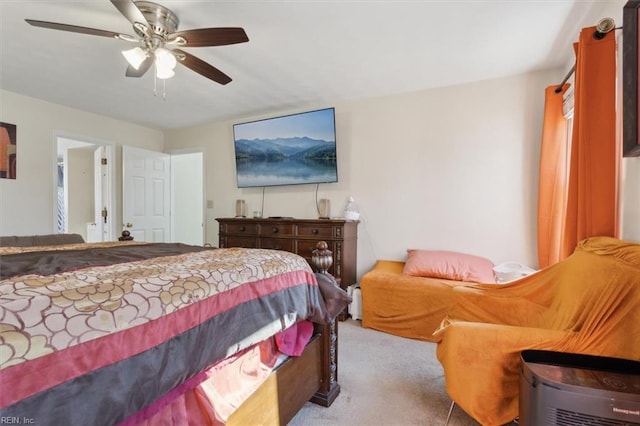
(130, 11)
(201, 67)
(210, 37)
(142, 69)
(77, 29)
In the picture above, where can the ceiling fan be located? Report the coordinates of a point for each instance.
(156, 29)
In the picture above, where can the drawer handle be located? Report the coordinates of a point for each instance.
(275, 230)
(242, 228)
(314, 231)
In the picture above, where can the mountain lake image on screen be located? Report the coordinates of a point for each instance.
(289, 150)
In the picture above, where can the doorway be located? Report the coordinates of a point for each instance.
(163, 195)
(187, 197)
(83, 193)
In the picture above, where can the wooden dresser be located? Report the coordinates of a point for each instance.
(299, 236)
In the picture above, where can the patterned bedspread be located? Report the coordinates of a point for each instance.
(89, 344)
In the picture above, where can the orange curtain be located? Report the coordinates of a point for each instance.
(578, 198)
(552, 187)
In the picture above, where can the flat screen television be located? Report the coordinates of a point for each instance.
(288, 150)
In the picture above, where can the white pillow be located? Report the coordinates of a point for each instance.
(510, 271)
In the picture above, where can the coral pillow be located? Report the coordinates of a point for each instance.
(449, 265)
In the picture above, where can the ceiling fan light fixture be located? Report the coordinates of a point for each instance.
(135, 56)
(165, 59)
(164, 73)
(157, 35)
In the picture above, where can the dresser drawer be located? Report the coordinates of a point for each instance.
(312, 230)
(276, 229)
(277, 244)
(240, 228)
(232, 241)
(306, 248)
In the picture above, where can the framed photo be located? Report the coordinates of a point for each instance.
(630, 86)
(8, 152)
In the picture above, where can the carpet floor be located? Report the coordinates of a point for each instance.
(384, 380)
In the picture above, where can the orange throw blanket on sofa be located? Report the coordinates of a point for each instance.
(588, 303)
(405, 305)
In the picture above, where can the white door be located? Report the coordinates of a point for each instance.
(146, 194)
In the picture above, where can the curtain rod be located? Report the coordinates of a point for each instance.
(602, 28)
(564, 80)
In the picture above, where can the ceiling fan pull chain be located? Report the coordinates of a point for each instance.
(155, 84)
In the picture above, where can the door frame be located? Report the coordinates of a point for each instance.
(111, 155)
(194, 150)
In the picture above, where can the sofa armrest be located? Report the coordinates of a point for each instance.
(482, 365)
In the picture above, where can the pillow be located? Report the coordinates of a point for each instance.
(449, 265)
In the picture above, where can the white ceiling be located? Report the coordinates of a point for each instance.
(300, 53)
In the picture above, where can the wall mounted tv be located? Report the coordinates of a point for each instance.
(288, 150)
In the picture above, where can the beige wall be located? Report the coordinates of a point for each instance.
(630, 167)
(27, 203)
(630, 200)
(80, 176)
(452, 168)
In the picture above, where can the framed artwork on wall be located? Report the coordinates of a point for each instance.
(8, 151)
(630, 86)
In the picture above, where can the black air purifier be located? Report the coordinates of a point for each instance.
(565, 389)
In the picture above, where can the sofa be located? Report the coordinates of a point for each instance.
(411, 298)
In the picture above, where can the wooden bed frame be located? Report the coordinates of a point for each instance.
(298, 380)
(313, 376)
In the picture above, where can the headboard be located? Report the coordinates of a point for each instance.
(40, 240)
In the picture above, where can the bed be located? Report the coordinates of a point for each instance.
(147, 333)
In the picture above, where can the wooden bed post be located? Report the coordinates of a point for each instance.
(322, 259)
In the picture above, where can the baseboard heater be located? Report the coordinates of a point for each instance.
(566, 389)
(355, 308)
